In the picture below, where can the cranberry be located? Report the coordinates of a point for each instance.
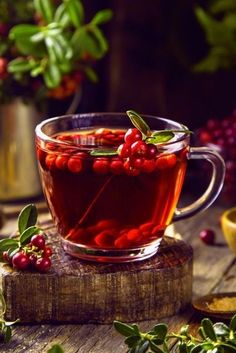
(43, 264)
(207, 236)
(117, 167)
(101, 166)
(75, 164)
(139, 148)
(124, 150)
(136, 162)
(205, 136)
(6, 257)
(32, 260)
(38, 240)
(50, 161)
(122, 242)
(134, 234)
(20, 261)
(148, 166)
(130, 170)
(47, 251)
(105, 238)
(61, 161)
(151, 151)
(132, 135)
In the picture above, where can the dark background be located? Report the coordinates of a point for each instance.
(153, 47)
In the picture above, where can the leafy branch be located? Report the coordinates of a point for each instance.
(59, 43)
(217, 338)
(5, 326)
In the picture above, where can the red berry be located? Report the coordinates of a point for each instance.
(167, 161)
(20, 261)
(136, 162)
(132, 135)
(148, 166)
(101, 166)
(151, 151)
(139, 149)
(130, 170)
(207, 236)
(117, 167)
(32, 260)
(124, 150)
(38, 240)
(75, 164)
(134, 234)
(47, 251)
(6, 257)
(50, 161)
(43, 264)
(61, 161)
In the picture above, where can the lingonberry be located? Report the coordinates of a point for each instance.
(50, 161)
(139, 149)
(148, 166)
(61, 161)
(134, 234)
(101, 166)
(32, 259)
(151, 151)
(130, 170)
(167, 161)
(20, 261)
(6, 256)
(117, 167)
(124, 150)
(38, 240)
(136, 162)
(132, 135)
(207, 236)
(43, 264)
(47, 251)
(75, 164)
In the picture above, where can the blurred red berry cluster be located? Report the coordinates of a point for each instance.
(220, 134)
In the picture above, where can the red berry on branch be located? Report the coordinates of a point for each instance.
(124, 150)
(43, 264)
(132, 135)
(47, 252)
(139, 149)
(38, 240)
(20, 261)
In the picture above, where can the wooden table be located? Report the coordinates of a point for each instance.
(214, 271)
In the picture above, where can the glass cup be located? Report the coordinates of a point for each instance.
(113, 208)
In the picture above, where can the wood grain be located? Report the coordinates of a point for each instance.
(76, 291)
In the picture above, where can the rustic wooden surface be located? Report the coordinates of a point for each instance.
(82, 292)
(214, 270)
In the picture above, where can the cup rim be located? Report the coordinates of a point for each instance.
(42, 136)
(226, 215)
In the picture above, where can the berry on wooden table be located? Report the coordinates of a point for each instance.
(207, 236)
(38, 240)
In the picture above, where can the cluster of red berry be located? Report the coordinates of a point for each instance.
(35, 255)
(222, 135)
(133, 156)
(68, 86)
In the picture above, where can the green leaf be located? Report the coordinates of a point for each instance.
(56, 348)
(91, 74)
(155, 348)
(66, 46)
(84, 41)
(61, 16)
(232, 324)
(196, 349)
(20, 65)
(124, 329)
(221, 329)
(45, 8)
(101, 40)
(52, 75)
(138, 122)
(27, 217)
(6, 244)
(28, 233)
(102, 16)
(104, 152)
(160, 137)
(3, 305)
(7, 334)
(223, 6)
(209, 329)
(143, 347)
(160, 331)
(23, 31)
(75, 11)
(132, 341)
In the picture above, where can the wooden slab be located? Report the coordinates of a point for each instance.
(76, 291)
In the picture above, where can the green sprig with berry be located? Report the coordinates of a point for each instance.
(139, 141)
(217, 338)
(28, 249)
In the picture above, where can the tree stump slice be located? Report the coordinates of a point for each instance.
(82, 292)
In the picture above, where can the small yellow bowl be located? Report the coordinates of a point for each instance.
(228, 225)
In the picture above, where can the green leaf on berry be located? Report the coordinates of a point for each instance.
(103, 152)
(160, 137)
(6, 244)
(138, 122)
(28, 233)
(27, 217)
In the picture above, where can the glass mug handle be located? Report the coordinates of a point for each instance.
(214, 187)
